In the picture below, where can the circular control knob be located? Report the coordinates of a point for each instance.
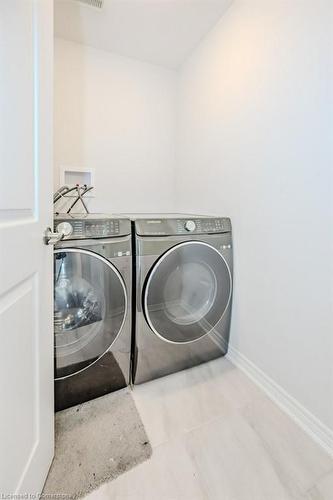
(190, 225)
(65, 228)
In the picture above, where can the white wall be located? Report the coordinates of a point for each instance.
(254, 145)
(117, 116)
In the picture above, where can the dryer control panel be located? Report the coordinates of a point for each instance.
(186, 226)
(92, 227)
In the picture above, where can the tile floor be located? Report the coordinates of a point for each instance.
(216, 436)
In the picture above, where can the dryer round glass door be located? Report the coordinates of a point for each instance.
(90, 304)
(187, 292)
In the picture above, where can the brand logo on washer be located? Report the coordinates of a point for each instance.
(154, 221)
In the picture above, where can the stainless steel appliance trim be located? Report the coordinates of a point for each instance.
(117, 273)
(151, 274)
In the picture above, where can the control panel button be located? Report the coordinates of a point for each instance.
(65, 228)
(190, 225)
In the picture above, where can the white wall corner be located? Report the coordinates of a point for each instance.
(310, 424)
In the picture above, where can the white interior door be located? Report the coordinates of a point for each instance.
(26, 348)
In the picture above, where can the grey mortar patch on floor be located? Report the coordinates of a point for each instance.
(94, 443)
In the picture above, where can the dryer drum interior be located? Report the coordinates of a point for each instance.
(90, 304)
(187, 292)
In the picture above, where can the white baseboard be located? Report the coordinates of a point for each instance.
(318, 431)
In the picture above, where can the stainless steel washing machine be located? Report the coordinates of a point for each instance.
(183, 267)
(92, 307)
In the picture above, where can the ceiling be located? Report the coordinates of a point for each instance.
(162, 32)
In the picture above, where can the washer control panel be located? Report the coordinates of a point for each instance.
(92, 228)
(195, 225)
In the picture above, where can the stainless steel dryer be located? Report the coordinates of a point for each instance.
(184, 288)
(92, 307)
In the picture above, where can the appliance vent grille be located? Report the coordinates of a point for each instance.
(98, 4)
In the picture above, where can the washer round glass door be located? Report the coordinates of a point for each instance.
(90, 304)
(187, 292)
